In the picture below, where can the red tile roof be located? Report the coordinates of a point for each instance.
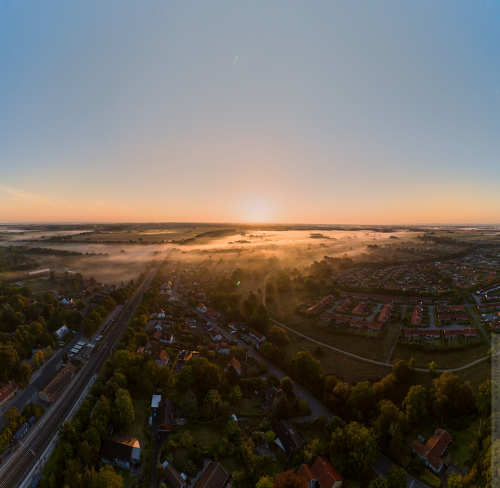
(326, 474)
(235, 363)
(433, 448)
(7, 391)
(463, 332)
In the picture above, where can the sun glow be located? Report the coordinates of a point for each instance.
(257, 209)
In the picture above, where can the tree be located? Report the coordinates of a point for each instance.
(107, 478)
(11, 415)
(456, 481)
(361, 397)
(432, 368)
(378, 483)
(124, 409)
(278, 336)
(264, 482)
(390, 423)
(287, 385)
(452, 397)
(25, 374)
(483, 400)
(189, 404)
(306, 369)
(354, 447)
(403, 370)
(235, 394)
(396, 477)
(212, 404)
(415, 404)
(289, 479)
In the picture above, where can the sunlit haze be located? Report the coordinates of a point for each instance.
(222, 111)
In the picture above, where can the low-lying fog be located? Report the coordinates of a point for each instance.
(116, 263)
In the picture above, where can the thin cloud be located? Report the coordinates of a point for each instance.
(32, 197)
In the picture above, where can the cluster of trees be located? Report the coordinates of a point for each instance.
(97, 315)
(15, 420)
(26, 324)
(14, 258)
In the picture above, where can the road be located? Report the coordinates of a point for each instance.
(13, 471)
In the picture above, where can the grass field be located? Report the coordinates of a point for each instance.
(361, 342)
(344, 367)
(41, 285)
(444, 360)
(204, 435)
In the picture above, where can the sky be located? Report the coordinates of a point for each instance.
(345, 112)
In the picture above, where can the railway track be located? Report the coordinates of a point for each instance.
(13, 472)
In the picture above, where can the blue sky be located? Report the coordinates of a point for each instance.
(321, 112)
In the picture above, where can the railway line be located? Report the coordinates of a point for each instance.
(14, 471)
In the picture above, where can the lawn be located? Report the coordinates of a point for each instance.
(361, 342)
(444, 360)
(344, 367)
(141, 413)
(247, 406)
(128, 481)
(204, 435)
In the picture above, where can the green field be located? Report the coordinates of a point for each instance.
(372, 345)
(344, 367)
(444, 360)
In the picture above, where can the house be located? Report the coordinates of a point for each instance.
(344, 306)
(155, 402)
(167, 338)
(121, 451)
(432, 451)
(322, 304)
(367, 325)
(321, 474)
(236, 365)
(427, 333)
(202, 308)
(158, 327)
(257, 335)
(162, 358)
(461, 332)
(185, 355)
(330, 317)
(416, 316)
(385, 313)
(359, 308)
(58, 383)
(156, 336)
(288, 438)
(213, 476)
(224, 348)
(60, 333)
(172, 477)
(8, 391)
(216, 336)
